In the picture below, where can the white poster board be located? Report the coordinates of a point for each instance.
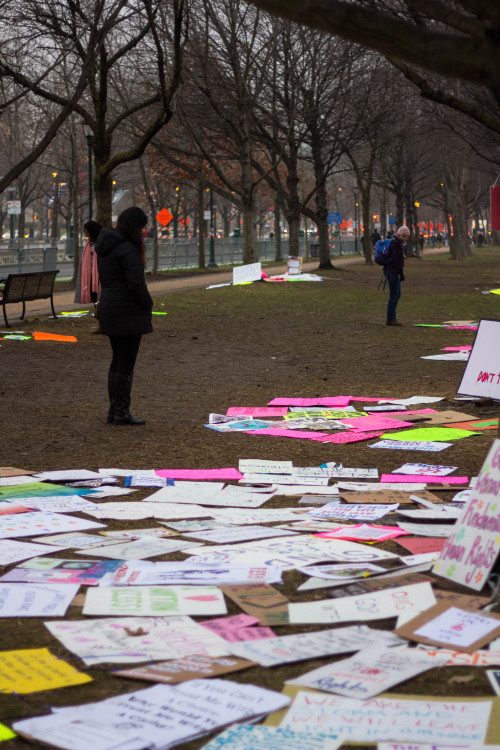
(481, 376)
(469, 553)
(249, 272)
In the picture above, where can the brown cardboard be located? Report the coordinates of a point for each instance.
(387, 496)
(408, 629)
(259, 600)
(188, 668)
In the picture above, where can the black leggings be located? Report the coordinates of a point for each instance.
(125, 351)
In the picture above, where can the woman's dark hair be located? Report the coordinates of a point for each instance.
(92, 228)
(131, 222)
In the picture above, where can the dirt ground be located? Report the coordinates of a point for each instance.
(241, 346)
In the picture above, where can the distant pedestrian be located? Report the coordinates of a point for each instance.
(125, 306)
(375, 236)
(393, 272)
(87, 280)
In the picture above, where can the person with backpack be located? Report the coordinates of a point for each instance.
(390, 254)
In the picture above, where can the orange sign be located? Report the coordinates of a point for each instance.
(164, 217)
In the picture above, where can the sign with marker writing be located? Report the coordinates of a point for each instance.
(481, 376)
(469, 553)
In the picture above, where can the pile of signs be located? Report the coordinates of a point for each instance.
(369, 560)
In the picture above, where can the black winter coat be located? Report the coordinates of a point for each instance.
(125, 304)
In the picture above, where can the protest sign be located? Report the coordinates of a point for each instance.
(270, 652)
(188, 668)
(470, 551)
(411, 719)
(36, 600)
(261, 601)
(481, 377)
(453, 627)
(126, 640)
(369, 672)
(31, 670)
(155, 600)
(149, 716)
(290, 552)
(403, 600)
(271, 738)
(238, 628)
(42, 522)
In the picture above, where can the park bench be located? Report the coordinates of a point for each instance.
(26, 287)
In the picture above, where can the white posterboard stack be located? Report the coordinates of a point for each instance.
(294, 265)
(481, 376)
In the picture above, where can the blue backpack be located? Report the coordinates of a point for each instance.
(381, 252)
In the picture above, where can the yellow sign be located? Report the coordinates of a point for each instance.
(30, 670)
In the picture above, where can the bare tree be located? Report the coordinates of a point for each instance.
(458, 40)
(101, 46)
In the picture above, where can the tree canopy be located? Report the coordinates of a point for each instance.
(457, 39)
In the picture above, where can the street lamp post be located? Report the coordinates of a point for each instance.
(356, 248)
(211, 261)
(88, 135)
(55, 211)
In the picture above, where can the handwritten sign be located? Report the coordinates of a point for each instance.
(469, 553)
(481, 376)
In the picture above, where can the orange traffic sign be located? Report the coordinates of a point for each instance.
(164, 217)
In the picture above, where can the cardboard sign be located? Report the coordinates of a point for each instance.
(261, 601)
(452, 627)
(470, 551)
(189, 668)
(481, 376)
(387, 497)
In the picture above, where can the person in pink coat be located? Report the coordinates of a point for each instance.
(87, 282)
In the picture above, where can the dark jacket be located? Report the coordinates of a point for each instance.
(396, 251)
(125, 304)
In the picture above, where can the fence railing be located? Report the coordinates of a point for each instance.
(173, 253)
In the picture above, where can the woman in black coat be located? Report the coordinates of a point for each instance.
(125, 305)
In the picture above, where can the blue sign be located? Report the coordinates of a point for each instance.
(334, 219)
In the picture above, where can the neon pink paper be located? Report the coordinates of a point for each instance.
(199, 473)
(364, 424)
(339, 401)
(419, 545)
(460, 328)
(423, 478)
(343, 533)
(457, 348)
(352, 436)
(366, 399)
(258, 411)
(280, 432)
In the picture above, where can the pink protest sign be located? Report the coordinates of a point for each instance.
(366, 399)
(199, 474)
(280, 432)
(460, 328)
(422, 544)
(339, 401)
(363, 532)
(423, 478)
(456, 348)
(258, 411)
(352, 436)
(238, 628)
(365, 424)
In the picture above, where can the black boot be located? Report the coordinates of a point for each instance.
(123, 385)
(112, 396)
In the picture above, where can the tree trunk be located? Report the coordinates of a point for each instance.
(250, 252)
